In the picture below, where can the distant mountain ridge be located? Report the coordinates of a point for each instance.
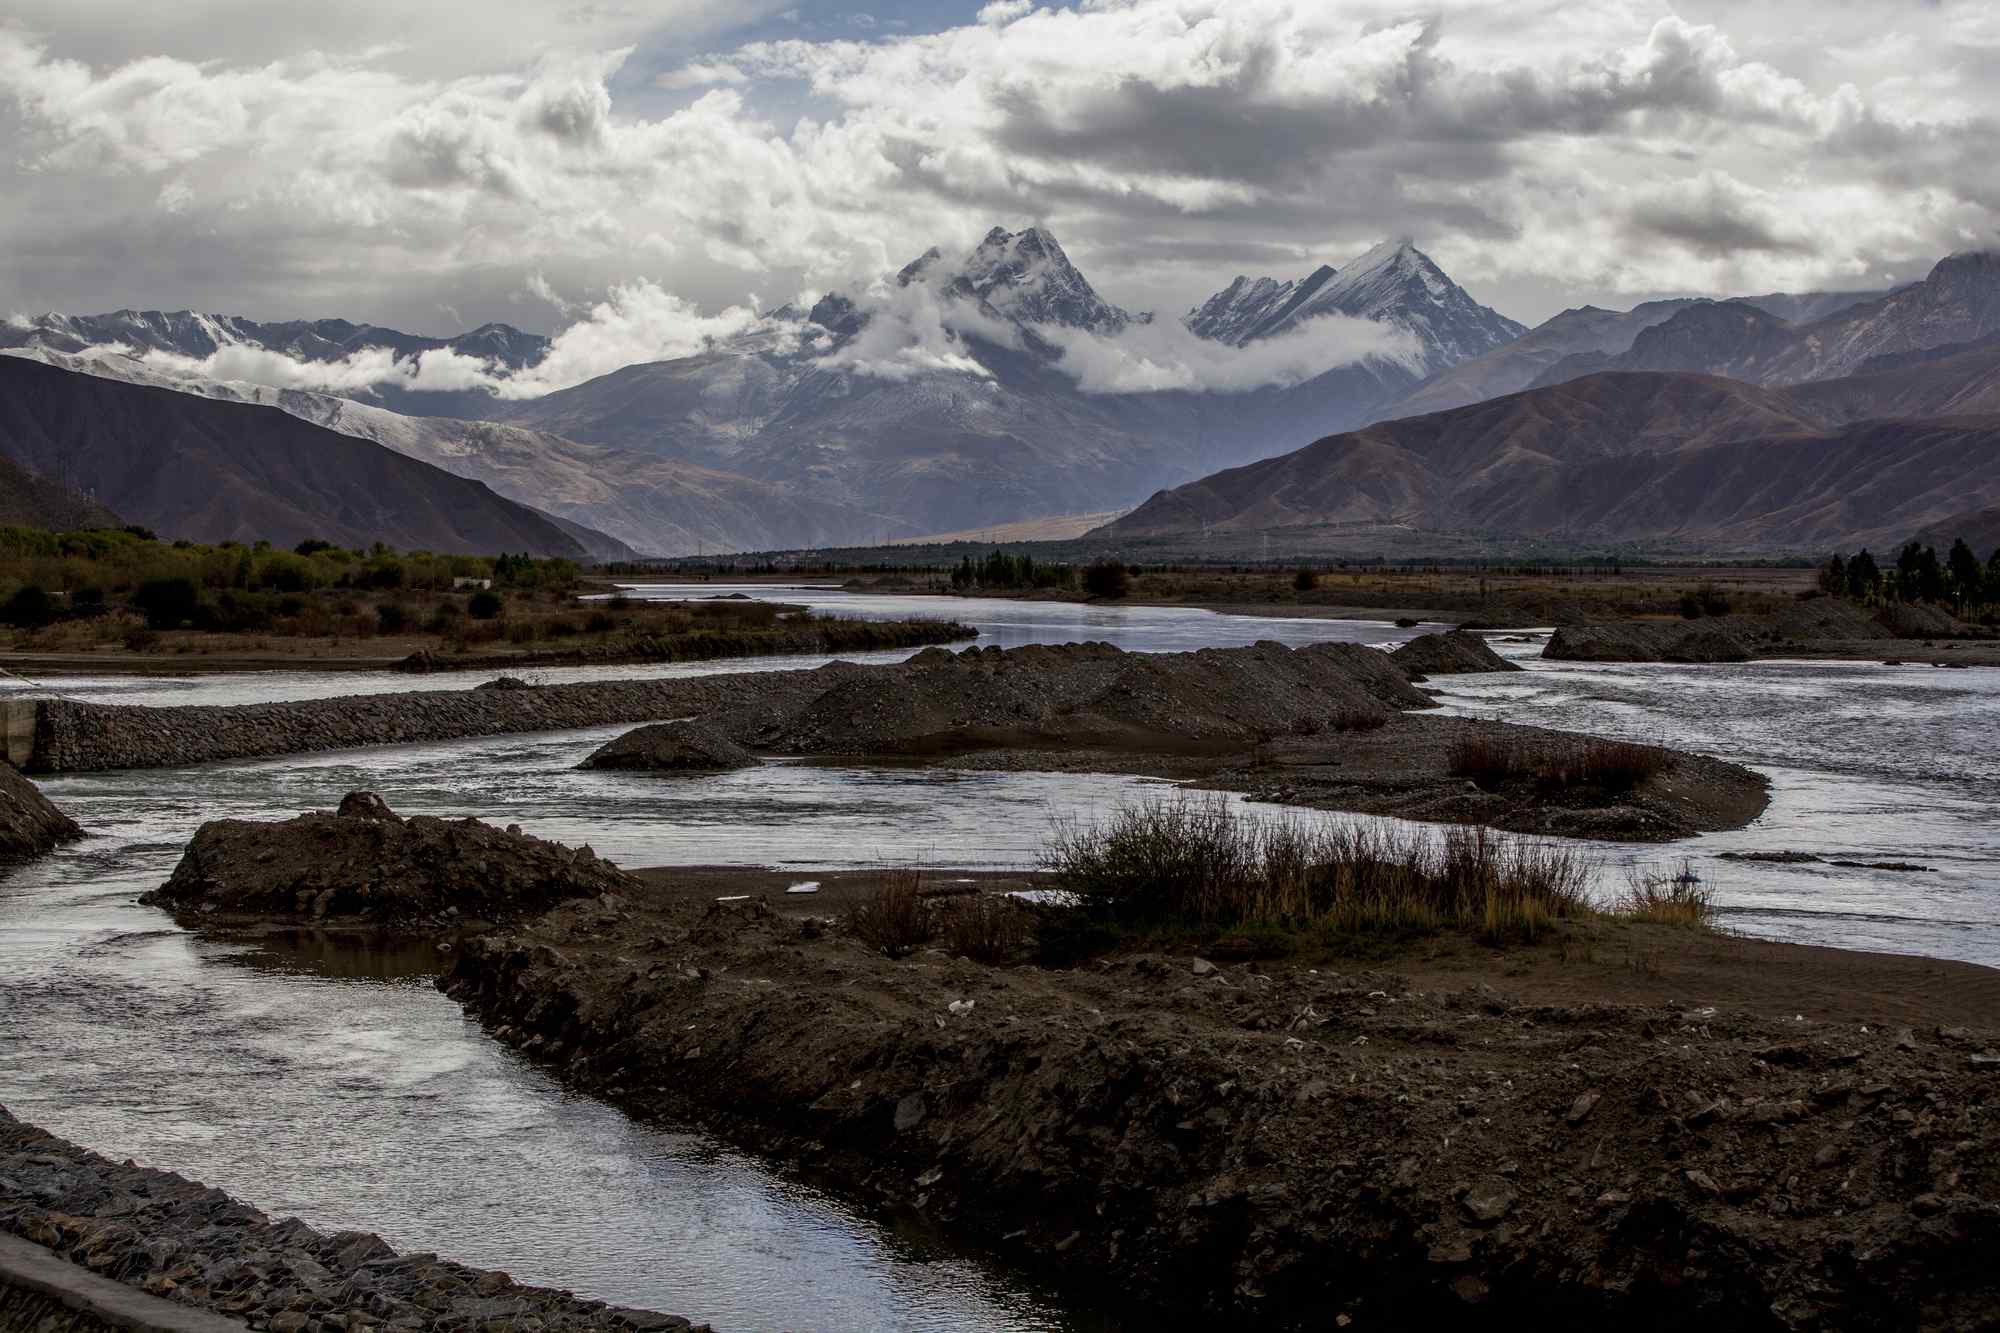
(1672, 460)
(631, 502)
(190, 467)
(1958, 302)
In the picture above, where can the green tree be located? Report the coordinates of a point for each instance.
(168, 603)
(30, 607)
(1963, 567)
(1864, 580)
(1833, 576)
(1106, 578)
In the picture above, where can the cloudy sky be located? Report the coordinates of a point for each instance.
(436, 165)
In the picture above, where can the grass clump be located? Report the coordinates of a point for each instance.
(1679, 899)
(987, 928)
(1198, 861)
(897, 920)
(1491, 761)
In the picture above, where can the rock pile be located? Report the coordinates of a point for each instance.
(30, 824)
(672, 747)
(367, 863)
(198, 1247)
(1453, 653)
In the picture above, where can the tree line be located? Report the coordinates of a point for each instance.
(1959, 580)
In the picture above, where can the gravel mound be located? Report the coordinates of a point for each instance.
(1801, 626)
(367, 863)
(1453, 653)
(1094, 695)
(29, 823)
(672, 747)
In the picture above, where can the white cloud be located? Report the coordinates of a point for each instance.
(1163, 355)
(701, 74)
(636, 322)
(365, 150)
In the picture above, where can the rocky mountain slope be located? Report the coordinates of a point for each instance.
(30, 500)
(1675, 460)
(190, 467)
(631, 500)
(1959, 302)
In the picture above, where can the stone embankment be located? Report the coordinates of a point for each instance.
(30, 824)
(1278, 1145)
(366, 863)
(202, 1250)
(72, 737)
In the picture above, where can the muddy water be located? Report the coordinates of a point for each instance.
(337, 1085)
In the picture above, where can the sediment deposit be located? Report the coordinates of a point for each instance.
(1279, 1145)
(1821, 627)
(1455, 652)
(365, 863)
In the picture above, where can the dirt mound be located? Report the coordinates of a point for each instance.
(30, 824)
(672, 747)
(1278, 1145)
(1452, 653)
(1095, 695)
(368, 863)
(1800, 627)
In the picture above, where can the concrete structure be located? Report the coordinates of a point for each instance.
(42, 1293)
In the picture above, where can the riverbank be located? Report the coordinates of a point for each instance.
(792, 631)
(199, 1249)
(1625, 1122)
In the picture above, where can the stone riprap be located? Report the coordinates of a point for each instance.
(177, 1239)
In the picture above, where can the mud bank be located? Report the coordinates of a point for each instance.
(1276, 1145)
(200, 1249)
(1824, 627)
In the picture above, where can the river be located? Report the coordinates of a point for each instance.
(343, 1089)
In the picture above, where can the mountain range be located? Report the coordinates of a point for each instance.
(191, 467)
(966, 394)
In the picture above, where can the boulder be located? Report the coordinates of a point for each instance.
(1451, 653)
(29, 823)
(367, 863)
(672, 747)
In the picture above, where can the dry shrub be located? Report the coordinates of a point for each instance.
(1679, 899)
(1492, 760)
(987, 928)
(1198, 860)
(896, 920)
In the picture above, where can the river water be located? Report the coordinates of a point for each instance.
(342, 1088)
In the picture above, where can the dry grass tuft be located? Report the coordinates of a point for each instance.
(1492, 761)
(897, 920)
(1197, 860)
(987, 928)
(1680, 899)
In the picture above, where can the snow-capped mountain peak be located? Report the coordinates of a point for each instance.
(1394, 282)
(1026, 276)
